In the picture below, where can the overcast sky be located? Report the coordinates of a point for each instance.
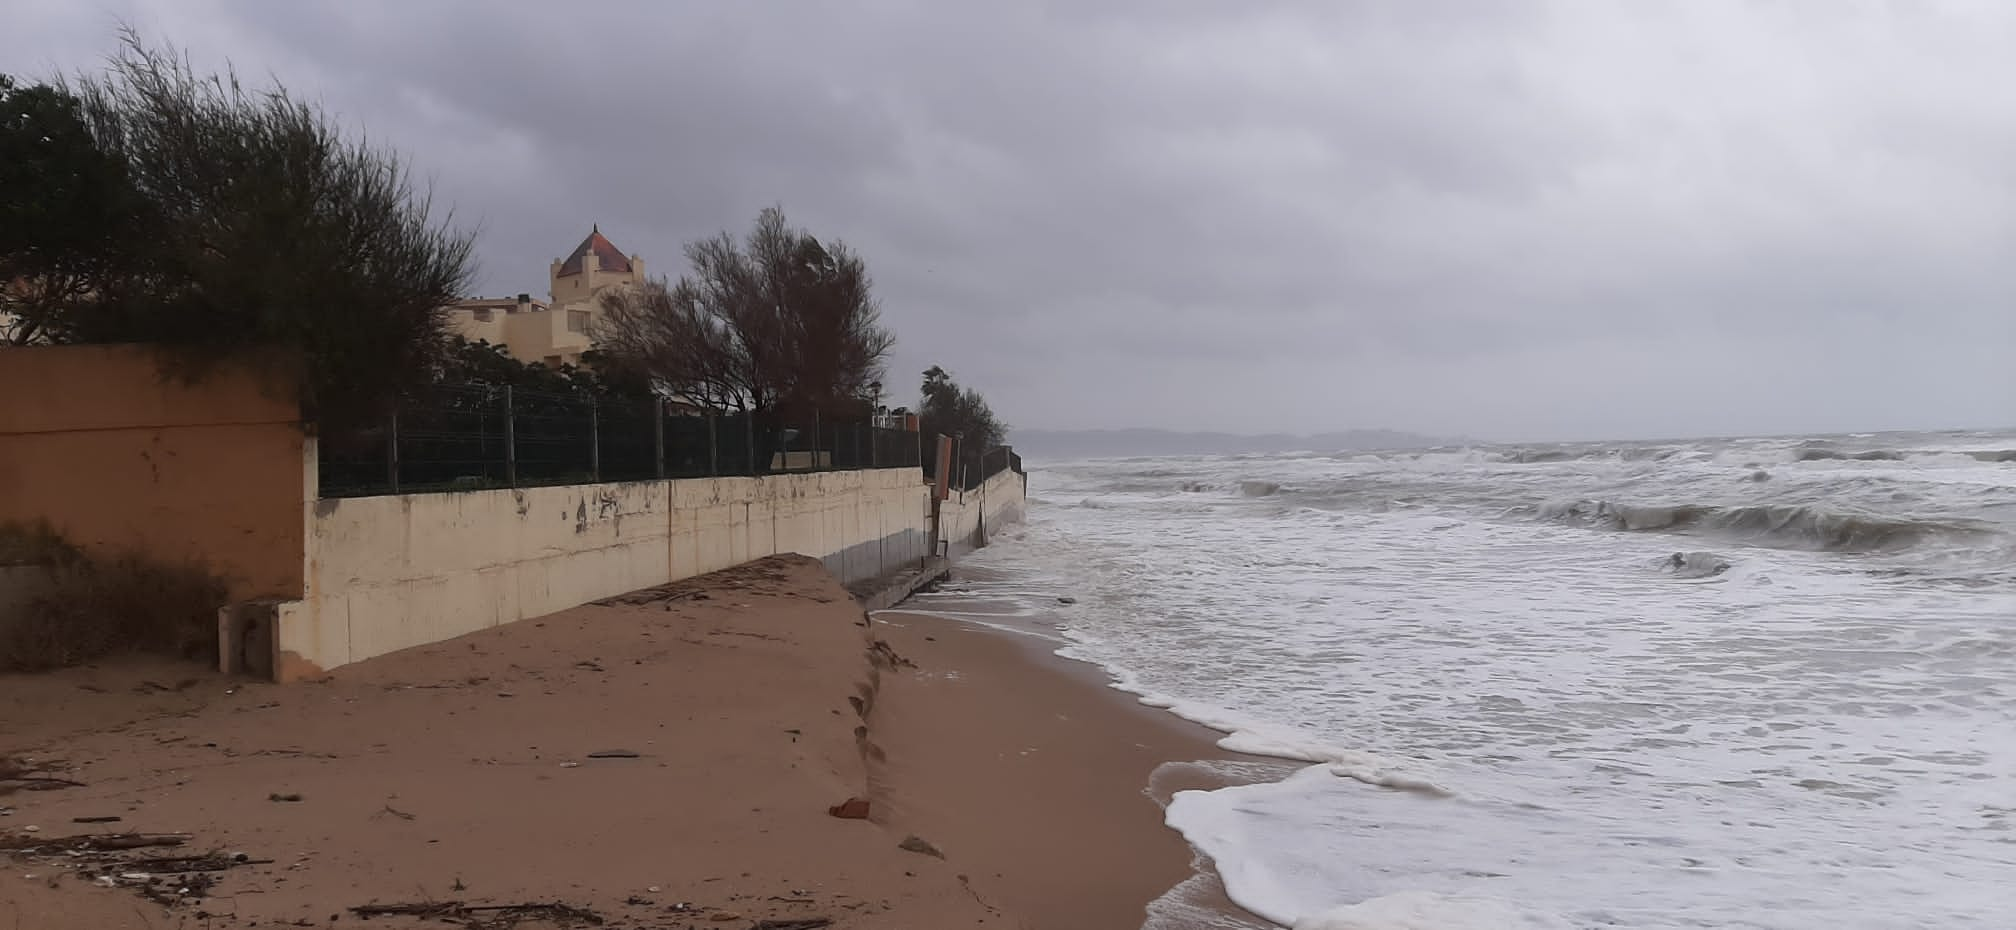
(1495, 219)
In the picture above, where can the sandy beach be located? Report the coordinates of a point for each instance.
(1032, 772)
(672, 758)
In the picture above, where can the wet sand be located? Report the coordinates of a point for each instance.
(665, 762)
(1032, 773)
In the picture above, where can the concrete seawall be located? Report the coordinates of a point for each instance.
(965, 520)
(388, 573)
(118, 456)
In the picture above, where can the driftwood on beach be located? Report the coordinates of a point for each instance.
(21, 775)
(484, 916)
(90, 842)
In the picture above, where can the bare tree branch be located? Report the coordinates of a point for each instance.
(777, 323)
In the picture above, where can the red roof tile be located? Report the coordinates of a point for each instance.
(607, 256)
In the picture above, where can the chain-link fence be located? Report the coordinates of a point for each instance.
(480, 436)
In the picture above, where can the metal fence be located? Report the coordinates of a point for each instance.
(972, 469)
(480, 436)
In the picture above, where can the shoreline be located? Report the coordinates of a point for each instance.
(669, 758)
(1086, 768)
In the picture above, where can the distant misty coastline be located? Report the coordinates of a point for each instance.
(1113, 443)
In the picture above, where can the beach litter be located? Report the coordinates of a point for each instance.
(485, 916)
(22, 775)
(106, 860)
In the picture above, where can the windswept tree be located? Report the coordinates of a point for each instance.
(951, 410)
(777, 324)
(63, 206)
(247, 225)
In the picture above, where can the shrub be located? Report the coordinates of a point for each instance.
(151, 203)
(35, 543)
(90, 607)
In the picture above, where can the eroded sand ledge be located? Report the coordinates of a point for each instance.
(739, 707)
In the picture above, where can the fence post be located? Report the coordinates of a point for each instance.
(713, 447)
(874, 446)
(749, 437)
(658, 437)
(392, 450)
(510, 440)
(815, 440)
(594, 441)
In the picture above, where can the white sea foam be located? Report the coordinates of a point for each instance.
(1244, 734)
(1805, 740)
(1421, 910)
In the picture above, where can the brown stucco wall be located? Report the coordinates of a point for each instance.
(95, 441)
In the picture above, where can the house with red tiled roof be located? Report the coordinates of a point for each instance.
(553, 333)
(594, 264)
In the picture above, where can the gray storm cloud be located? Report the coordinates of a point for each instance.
(1499, 220)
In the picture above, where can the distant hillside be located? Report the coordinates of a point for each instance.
(1111, 443)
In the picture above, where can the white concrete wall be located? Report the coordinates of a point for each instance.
(387, 573)
(965, 520)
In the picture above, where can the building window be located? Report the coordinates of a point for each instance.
(577, 321)
(482, 316)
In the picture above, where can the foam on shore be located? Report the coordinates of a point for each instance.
(1794, 723)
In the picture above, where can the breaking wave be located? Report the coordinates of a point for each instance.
(1786, 526)
(1991, 456)
(1621, 453)
(1835, 455)
(1542, 456)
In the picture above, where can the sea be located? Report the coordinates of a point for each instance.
(1727, 683)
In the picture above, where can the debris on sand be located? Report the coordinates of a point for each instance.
(485, 916)
(17, 774)
(105, 860)
(91, 842)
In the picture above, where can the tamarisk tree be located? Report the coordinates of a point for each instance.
(225, 221)
(777, 324)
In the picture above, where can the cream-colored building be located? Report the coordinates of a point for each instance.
(553, 332)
